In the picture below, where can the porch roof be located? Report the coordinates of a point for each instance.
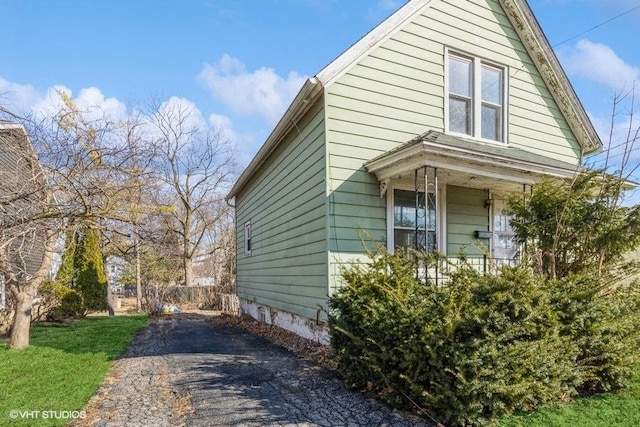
(467, 159)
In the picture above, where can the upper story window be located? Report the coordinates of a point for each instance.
(476, 98)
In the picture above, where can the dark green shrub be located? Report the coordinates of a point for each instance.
(70, 305)
(579, 234)
(604, 322)
(482, 346)
(59, 301)
(67, 272)
(577, 226)
(82, 270)
(379, 304)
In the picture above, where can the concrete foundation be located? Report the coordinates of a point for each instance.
(303, 326)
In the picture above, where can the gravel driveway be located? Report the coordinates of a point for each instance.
(184, 371)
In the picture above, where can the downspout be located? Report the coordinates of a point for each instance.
(235, 227)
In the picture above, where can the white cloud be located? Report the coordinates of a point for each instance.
(16, 97)
(92, 100)
(183, 111)
(224, 126)
(262, 93)
(25, 99)
(49, 103)
(245, 143)
(599, 63)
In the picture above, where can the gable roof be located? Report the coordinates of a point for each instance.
(525, 24)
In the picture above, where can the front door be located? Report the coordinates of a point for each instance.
(504, 247)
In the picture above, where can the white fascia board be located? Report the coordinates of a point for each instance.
(514, 175)
(546, 61)
(11, 126)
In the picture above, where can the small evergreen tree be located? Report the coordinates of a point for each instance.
(91, 281)
(67, 271)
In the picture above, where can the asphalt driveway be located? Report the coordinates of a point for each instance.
(184, 371)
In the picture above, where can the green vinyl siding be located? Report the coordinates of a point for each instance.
(466, 213)
(397, 91)
(286, 203)
(313, 206)
(482, 29)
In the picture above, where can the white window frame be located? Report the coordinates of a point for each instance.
(248, 244)
(476, 96)
(440, 217)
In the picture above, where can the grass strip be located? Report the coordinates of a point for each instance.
(61, 369)
(616, 409)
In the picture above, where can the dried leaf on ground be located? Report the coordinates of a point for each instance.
(303, 348)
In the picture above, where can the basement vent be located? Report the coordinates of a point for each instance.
(262, 315)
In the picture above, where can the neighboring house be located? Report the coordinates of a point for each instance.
(463, 98)
(115, 267)
(20, 193)
(204, 281)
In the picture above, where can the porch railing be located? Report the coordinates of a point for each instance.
(481, 264)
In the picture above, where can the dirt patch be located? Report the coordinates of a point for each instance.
(127, 305)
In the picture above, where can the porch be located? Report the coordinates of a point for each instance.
(448, 195)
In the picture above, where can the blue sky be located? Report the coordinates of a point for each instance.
(240, 62)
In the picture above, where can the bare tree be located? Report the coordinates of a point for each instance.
(83, 168)
(219, 261)
(124, 233)
(620, 150)
(73, 173)
(195, 163)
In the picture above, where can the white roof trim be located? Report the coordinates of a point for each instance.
(546, 61)
(10, 125)
(436, 155)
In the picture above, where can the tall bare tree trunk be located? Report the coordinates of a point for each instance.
(22, 320)
(138, 277)
(188, 271)
(111, 301)
(24, 293)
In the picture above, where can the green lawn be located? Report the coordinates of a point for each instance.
(61, 370)
(620, 409)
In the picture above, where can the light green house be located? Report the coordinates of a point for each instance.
(463, 98)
